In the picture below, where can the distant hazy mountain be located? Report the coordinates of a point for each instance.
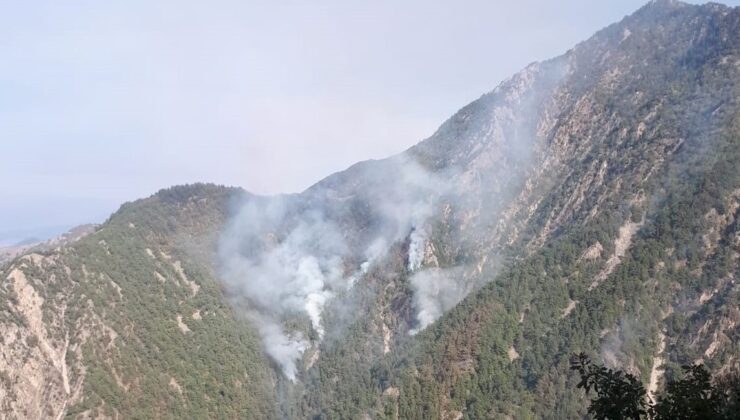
(588, 203)
(28, 236)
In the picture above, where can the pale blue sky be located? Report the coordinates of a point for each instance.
(108, 101)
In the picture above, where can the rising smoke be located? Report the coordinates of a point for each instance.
(435, 292)
(282, 272)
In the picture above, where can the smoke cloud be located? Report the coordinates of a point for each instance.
(285, 258)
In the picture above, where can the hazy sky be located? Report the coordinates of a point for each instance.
(104, 102)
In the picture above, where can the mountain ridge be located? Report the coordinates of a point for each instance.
(587, 203)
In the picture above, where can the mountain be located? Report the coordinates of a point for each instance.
(129, 321)
(35, 244)
(588, 203)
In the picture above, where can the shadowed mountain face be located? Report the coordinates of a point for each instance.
(588, 203)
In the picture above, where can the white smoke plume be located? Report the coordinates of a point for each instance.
(417, 245)
(435, 292)
(282, 276)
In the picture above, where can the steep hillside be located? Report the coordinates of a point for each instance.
(588, 203)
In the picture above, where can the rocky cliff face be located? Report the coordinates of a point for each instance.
(588, 203)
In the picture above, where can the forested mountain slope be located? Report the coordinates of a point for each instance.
(129, 321)
(588, 203)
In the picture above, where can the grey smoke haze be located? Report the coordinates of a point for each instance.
(282, 260)
(618, 344)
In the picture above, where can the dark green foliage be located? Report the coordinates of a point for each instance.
(620, 395)
(694, 397)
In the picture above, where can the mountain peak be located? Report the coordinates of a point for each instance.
(658, 9)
